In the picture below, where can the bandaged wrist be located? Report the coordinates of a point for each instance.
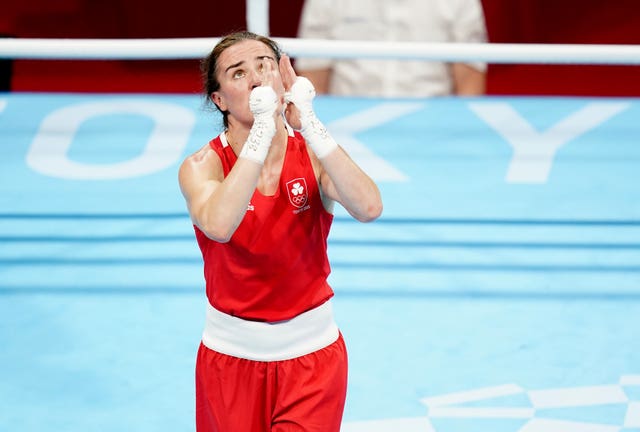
(312, 129)
(263, 103)
(259, 140)
(319, 139)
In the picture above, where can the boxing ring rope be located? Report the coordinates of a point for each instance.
(196, 48)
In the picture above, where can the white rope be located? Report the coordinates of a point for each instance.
(196, 48)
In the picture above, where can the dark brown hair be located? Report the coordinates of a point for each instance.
(209, 65)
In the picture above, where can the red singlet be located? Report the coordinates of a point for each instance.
(275, 266)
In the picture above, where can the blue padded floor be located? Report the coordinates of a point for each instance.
(500, 290)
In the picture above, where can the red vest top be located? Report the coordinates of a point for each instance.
(275, 266)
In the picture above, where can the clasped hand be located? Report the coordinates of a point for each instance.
(295, 94)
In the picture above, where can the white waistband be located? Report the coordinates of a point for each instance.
(261, 341)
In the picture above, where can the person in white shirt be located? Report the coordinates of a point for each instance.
(393, 20)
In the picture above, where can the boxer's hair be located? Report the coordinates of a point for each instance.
(209, 65)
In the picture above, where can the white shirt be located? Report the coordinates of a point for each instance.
(390, 20)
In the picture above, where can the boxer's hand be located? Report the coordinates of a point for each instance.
(301, 95)
(263, 103)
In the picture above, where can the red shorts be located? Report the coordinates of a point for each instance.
(304, 394)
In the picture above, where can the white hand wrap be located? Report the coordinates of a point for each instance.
(312, 129)
(263, 103)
